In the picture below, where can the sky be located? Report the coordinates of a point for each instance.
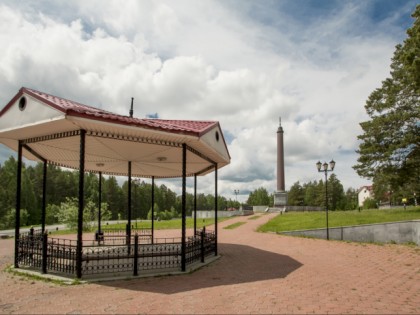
(240, 62)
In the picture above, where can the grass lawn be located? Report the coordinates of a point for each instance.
(254, 217)
(234, 225)
(290, 221)
(169, 224)
(159, 225)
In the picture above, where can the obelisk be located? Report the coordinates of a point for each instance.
(280, 196)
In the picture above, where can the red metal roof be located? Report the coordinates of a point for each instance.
(144, 143)
(72, 108)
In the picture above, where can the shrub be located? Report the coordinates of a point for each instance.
(10, 219)
(68, 214)
(370, 203)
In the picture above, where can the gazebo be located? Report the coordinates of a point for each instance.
(54, 130)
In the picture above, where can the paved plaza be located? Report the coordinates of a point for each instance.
(257, 273)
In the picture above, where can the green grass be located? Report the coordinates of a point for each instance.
(254, 217)
(312, 220)
(159, 225)
(234, 225)
(35, 277)
(168, 224)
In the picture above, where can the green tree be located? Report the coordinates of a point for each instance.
(320, 198)
(296, 195)
(259, 197)
(389, 148)
(91, 188)
(51, 213)
(8, 192)
(369, 203)
(202, 202)
(312, 193)
(146, 198)
(8, 186)
(351, 201)
(68, 214)
(114, 197)
(335, 193)
(8, 221)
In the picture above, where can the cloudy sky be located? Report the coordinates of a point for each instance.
(243, 63)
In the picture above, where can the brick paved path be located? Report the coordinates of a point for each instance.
(257, 273)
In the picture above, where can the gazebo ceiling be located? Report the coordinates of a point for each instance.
(49, 128)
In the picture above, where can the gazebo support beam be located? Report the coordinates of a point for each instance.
(99, 205)
(153, 209)
(215, 207)
(195, 204)
(81, 204)
(44, 197)
(129, 205)
(184, 206)
(18, 193)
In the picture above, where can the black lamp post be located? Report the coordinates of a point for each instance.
(324, 168)
(236, 191)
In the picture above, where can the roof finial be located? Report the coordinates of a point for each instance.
(279, 121)
(131, 110)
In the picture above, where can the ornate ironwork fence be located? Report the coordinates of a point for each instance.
(117, 235)
(30, 248)
(117, 254)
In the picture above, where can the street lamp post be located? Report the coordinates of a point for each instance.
(324, 169)
(236, 191)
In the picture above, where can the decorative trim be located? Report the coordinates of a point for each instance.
(133, 139)
(54, 136)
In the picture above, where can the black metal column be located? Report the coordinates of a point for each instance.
(44, 197)
(153, 209)
(184, 206)
(99, 204)
(18, 193)
(129, 205)
(81, 204)
(215, 208)
(326, 204)
(195, 203)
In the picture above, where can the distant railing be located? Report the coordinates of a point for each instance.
(304, 208)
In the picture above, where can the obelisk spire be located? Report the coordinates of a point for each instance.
(280, 158)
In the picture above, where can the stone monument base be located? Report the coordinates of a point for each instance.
(280, 199)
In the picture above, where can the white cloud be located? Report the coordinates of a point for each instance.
(242, 63)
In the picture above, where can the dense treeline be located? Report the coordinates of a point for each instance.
(62, 186)
(311, 194)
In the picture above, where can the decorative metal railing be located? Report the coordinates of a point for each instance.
(30, 248)
(119, 236)
(61, 255)
(120, 255)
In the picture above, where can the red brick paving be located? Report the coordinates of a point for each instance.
(257, 273)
